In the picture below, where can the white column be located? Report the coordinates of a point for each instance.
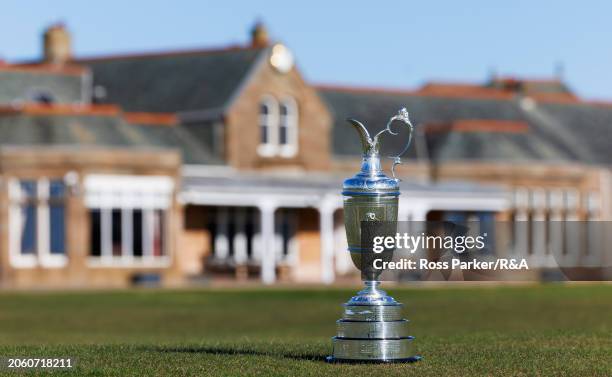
(148, 232)
(605, 200)
(572, 234)
(221, 240)
(555, 224)
(521, 229)
(106, 233)
(127, 235)
(538, 227)
(42, 221)
(326, 224)
(521, 223)
(240, 239)
(268, 262)
(594, 234)
(555, 236)
(16, 223)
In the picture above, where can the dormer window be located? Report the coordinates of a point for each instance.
(278, 127)
(41, 96)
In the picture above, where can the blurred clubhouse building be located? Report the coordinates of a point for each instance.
(225, 163)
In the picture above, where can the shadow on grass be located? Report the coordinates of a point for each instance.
(229, 351)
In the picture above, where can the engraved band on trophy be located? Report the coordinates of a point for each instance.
(372, 328)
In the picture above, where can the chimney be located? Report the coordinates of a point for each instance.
(57, 46)
(259, 35)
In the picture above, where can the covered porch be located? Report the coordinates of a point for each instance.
(292, 227)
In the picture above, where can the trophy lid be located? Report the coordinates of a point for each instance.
(371, 180)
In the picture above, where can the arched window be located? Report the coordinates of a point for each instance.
(288, 127)
(268, 126)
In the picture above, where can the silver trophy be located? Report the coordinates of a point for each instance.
(372, 328)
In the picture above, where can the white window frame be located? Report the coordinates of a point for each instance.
(291, 122)
(270, 120)
(42, 256)
(127, 257)
(128, 193)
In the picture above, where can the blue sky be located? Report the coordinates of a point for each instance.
(375, 43)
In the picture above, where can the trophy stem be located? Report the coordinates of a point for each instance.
(371, 289)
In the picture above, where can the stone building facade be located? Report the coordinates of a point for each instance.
(177, 167)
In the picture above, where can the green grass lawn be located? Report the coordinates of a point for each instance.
(510, 331)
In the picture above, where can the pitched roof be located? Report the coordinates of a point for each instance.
(555, 132)
(194, 150)
(173, 82)
(77, 130)
(98, 126)
(587, 128)
(25, 84)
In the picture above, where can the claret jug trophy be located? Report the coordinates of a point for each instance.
(372, 328)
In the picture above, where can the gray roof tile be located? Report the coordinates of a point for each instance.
(68, 130)
(193, 149)
(24, 85)
(173, 82)
(556, 132)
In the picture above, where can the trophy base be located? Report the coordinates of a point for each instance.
(334, 360)
(372, 330)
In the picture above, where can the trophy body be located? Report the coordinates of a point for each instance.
(372, 328)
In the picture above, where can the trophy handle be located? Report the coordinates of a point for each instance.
(402, 115)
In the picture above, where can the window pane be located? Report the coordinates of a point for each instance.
(286, 232)
(58, 229)
(249, 230)
(158, 232)
(116, 221)
(264, 123)
(287, 125)
(137, 232)
(231, 230)
(283, 134)
(263, 138)
(56, 189)
(212, 228)
(28, 189)
(95, 232)
(28, 229)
